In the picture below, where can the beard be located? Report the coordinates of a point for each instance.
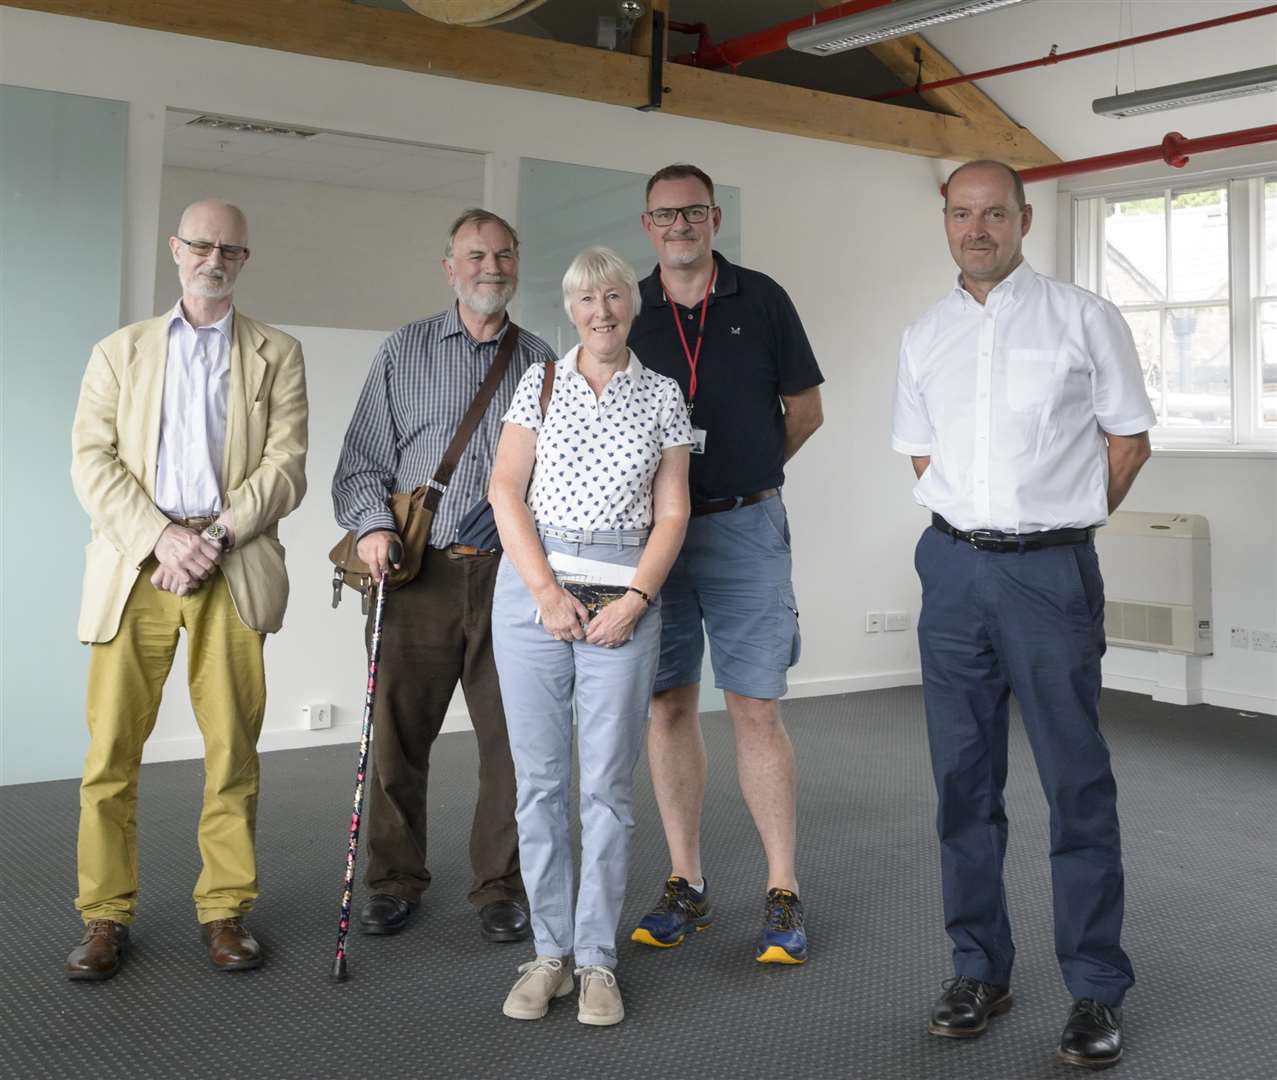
(485, 301)
(683, 254)
(208, 286)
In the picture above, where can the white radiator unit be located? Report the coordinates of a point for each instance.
(1156, 571)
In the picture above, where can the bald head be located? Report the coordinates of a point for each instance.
(989, 168)
(217, 208)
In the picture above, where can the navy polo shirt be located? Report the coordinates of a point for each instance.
(755, 350)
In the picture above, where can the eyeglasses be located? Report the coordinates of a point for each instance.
(230, 252)
(693, 215)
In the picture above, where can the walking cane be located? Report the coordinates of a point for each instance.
(365, 737)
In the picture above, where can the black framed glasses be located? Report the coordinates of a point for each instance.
(696, 214)
(230, 252)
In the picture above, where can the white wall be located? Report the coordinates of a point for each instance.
(853, 234)
(322, 255)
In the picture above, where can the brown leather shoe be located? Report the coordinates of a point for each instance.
(100, 952)
(230, 946)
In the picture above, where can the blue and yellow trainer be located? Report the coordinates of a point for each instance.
(783, 939)
(679, 910)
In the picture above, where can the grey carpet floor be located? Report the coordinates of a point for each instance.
(1197, 796)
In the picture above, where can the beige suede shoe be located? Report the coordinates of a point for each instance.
(599, 1002)
(540, 982)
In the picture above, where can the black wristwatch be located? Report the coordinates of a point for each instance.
(218, 534)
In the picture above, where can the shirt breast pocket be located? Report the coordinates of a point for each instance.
(1031, 374)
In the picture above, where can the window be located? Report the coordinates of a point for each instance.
(1194, 271)
(1266, 310)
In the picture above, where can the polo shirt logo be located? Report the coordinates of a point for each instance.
(735, 329)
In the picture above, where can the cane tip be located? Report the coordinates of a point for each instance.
(339, 969)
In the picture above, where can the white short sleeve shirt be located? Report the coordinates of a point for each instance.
(1011, 400)
(596, 456)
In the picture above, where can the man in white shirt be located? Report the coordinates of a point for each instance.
(189, 445)
(1021, 402)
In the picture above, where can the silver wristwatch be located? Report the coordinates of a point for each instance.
(216, 533)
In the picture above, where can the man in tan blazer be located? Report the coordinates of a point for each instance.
(189, 445)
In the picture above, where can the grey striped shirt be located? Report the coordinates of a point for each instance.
(421, 382)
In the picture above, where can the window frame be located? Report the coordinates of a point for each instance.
(1246, 432)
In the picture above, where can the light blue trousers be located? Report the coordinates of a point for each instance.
(612, 688)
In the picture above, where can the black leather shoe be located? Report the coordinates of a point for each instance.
(385, 914)
(1092, 1036)
(965, 1007)
(505, 920)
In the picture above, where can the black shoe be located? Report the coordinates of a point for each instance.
(965, 1007)
(505, 920)
(385, 914)
(1092, 1036)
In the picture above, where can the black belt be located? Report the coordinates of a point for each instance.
(992, 540)
(718, 506)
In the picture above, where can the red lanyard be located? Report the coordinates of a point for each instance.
(693, 358)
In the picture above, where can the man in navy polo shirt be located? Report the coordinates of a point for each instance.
(733, 341)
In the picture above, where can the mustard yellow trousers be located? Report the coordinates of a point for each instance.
(228, 695)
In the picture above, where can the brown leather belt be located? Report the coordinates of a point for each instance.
(199, 524)
(466, 549)
(718, 506)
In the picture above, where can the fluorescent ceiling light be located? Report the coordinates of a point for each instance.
(884, 23)
(1177, 95)
(249, 127)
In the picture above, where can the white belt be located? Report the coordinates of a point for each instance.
(615, 537)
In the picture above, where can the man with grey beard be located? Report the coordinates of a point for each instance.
(189, 445)
(437, 629)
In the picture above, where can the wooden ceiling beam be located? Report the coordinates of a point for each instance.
(966, 99)
(338, 30)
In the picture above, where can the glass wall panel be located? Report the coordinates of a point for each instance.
(62, 161)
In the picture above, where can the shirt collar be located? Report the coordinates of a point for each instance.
(726, 283)
(1015, 286)
(633, 370)
(222, 326)
(452, 324)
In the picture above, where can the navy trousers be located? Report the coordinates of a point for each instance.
(1028, 623)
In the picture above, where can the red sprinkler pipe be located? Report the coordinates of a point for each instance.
(703, 40)
(773, 39)
(1058, 58)
(1174, 149)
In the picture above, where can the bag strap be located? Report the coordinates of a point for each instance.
(547, 386)
(465, 430)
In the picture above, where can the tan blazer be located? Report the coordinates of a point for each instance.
(115, 444)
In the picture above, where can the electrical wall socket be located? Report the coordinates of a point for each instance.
(1239, 637)
(873, 622)
(1263, 641)
(897, 620)
(318, 716)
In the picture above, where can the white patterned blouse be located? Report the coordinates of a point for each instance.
(596, 456)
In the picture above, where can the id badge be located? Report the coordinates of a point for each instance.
(698, 440)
